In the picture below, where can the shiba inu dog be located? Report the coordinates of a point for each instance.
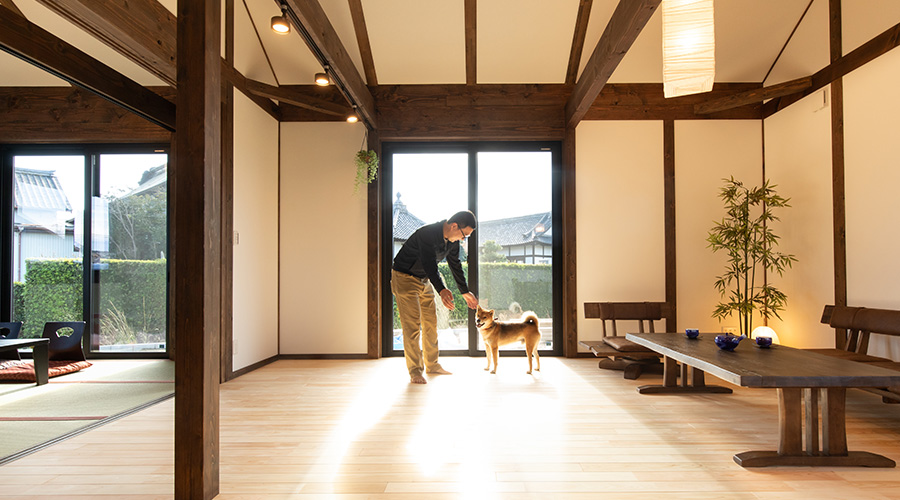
(500, 333)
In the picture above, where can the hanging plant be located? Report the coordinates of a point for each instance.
(366, 165)
(366, 168)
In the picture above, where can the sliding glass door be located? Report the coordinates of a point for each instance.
(512, 189)
(85, 239)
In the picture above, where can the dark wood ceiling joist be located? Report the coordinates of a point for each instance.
(323, 41)
(240, 82)
(753, 96)
(581, 24)
(362, 40)
(67, 115)
(646, 101)
(623, 28)
(288, 95)
(878, 46)
(9, 4)
(32, 43)
(471, 20)
(141, 30)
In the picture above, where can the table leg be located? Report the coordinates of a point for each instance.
(670, 381)
(790, 430)
(41, 363)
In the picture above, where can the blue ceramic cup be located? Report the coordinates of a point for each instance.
(692, 333)
(728, 342)
(763, 341)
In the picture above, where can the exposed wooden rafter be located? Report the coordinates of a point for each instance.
(325, 44)
(880, 45)
(362, 39)
(289, 96)
(9, 4)
(623, 28)
(141, 30)
(581, 24)
(240, 82)
(471, 19)
(753, 96)
(32, 43)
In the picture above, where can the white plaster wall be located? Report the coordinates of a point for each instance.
(255, 266)
(620, 223)
(798, 161)
(706, 152)
(323, 241)
(871, 154)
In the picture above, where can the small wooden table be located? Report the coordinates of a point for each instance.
(802, 378)
(40, 352)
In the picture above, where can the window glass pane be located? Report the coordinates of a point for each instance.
(47, 246)
(429, 188)
(129, 247)
(515, 238)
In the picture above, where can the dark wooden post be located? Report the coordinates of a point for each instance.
(669, 216)
(197, 220)
(837, 167)
(569, 258)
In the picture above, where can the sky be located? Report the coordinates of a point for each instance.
(434, 186)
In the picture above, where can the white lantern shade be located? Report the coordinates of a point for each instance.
(689, 47)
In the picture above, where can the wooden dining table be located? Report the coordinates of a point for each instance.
(40, 352)
(803, 379)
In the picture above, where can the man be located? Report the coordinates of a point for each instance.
(414, 272)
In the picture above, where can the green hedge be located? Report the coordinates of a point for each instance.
(502, 283)
(53, 292)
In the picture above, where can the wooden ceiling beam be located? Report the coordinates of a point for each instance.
(623, 28)
(362, 39)
(240, 82)
(471, 19)
(581, 24)
(287, 95)
(144, 31)
(9, 4)
(37, 46)
(878, 46)
(323, 41)
(753, 96)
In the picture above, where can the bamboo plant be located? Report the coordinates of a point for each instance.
(744, 233)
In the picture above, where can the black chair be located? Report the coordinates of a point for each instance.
(10, 330)
(65, 347)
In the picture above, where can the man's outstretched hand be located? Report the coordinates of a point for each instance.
(447, 299)
(471, 300)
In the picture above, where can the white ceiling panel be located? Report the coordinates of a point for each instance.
(863, 20)
(50, 21)
(18, 73)
(807, 52)
(338, 12)
(524, 41)
(749, 35)
(291, 59)
(417, 41)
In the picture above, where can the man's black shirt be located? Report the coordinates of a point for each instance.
(423, 250)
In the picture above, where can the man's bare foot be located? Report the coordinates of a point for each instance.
(439, 371)
(417, 379)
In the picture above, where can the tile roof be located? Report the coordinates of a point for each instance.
(404, 223)
(518, 230)
(39, 189)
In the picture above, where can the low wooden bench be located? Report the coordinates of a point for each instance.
(617, 352)
(860, 323)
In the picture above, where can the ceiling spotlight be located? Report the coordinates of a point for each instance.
(280, 23)
(322, 80)
(352, 118)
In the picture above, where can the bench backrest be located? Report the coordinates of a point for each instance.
(859, 323)
(613, 311)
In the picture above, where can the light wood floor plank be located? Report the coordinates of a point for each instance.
(356, 429)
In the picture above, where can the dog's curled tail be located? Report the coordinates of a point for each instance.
(530, 317)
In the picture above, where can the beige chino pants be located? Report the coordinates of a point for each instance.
(418, 319)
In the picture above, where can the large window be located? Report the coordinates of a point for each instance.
(512, 189)
(85, 239)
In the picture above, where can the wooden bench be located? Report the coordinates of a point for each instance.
(619, 353)
(860, 323)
